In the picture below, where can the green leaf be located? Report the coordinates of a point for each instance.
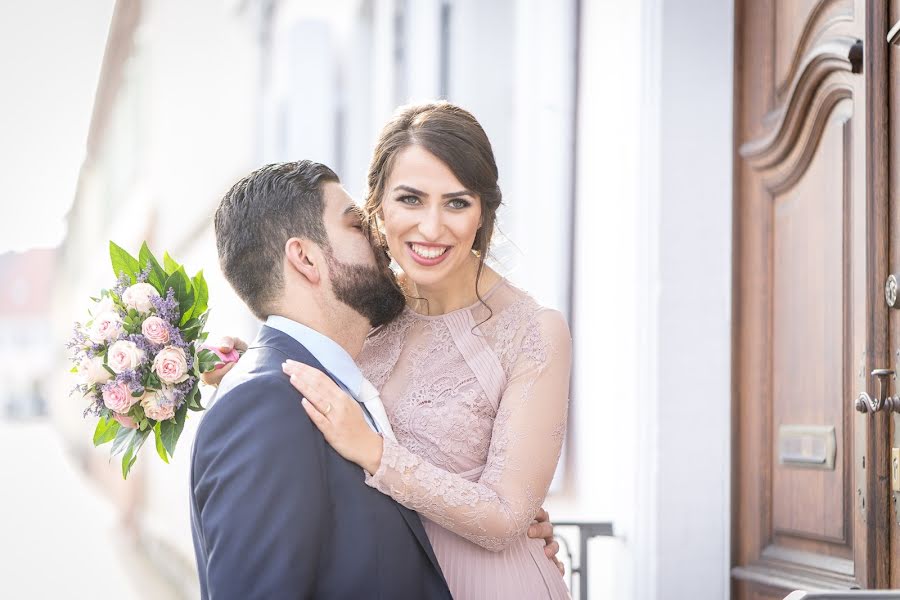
(108, 369)
(184, 292)
(170, 264)
(122, 440)
(160, 449)
(74, 369)
(207, 360)
(201, 292)
(194, 400)
(123, 262)
(171, 431)
(130, 455)
(153, 381)
(106, 431)
(190, 332)
(157, 276)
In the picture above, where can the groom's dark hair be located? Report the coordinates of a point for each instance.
(255, 219)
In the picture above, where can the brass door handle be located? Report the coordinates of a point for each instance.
(866, 404)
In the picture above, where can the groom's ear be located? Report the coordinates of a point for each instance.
(301, 255)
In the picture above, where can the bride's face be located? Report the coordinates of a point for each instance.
(430, 219)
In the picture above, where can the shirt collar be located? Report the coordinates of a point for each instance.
(333, 357)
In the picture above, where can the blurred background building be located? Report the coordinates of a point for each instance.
(26, 346)
(617, 212)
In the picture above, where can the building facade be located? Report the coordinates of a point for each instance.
(611, 123)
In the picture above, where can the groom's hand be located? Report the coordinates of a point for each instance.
(226, 345)
(542, 529)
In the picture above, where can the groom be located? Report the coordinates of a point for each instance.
(275, 511)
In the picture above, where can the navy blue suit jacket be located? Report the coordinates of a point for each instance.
(277, 513)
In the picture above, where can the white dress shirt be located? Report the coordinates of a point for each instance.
(340, 365)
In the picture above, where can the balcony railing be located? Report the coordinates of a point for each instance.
(571, 535)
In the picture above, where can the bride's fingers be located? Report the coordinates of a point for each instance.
(227, 344)
(215, 376)
(318, 419)
(240, 345)
(311, 393)
(315, 385)
(551, 550)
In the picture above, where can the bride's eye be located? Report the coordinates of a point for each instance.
(459, 203)
(410, 200)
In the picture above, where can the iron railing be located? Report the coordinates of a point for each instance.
(585, 532)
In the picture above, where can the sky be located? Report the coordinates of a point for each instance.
(50, 57)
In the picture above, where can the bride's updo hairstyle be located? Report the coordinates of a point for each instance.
(455, 137)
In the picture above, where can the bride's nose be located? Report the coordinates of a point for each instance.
(431, 224)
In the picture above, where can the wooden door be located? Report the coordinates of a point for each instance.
(892, 128)
(810, 497)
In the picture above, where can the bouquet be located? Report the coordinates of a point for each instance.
(139, 355)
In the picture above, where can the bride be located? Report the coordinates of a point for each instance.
(474, 374)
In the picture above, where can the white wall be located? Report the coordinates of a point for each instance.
(651, 404)
(694, 314)
(605, 322)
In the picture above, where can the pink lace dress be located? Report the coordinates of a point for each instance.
(479, 411)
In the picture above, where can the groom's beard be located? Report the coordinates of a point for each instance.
(371, 291)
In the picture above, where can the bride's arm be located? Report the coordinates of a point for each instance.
(525, 446)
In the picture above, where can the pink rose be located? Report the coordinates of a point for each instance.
(138, 297)
(124, 355)
(106, 327)
(228, 357)
(159, 405)
(171, 365)
(91, 369)
(125, 421)
(155, 330)
(117, 397)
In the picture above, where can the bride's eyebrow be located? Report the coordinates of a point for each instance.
(411, 190)
(416, 192)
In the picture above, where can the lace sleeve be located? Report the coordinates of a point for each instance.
(525, 446)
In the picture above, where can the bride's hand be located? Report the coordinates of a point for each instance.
(542, 529)
(225, 345)
(338, 416)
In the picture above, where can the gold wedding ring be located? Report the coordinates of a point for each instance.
(327, 410)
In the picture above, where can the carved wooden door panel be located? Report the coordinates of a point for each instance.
(810, 499)
(892, 81)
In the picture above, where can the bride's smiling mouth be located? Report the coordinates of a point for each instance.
(427, 255)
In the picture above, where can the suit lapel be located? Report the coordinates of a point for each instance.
(273, 338)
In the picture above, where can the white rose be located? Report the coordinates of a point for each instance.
(158, 404)
(91, 369)
(124, 355)
(106, 327)
(103, 305)
(138, 297)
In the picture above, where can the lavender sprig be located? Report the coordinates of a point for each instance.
(122, 284)
(145, 274)
(167, 308)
